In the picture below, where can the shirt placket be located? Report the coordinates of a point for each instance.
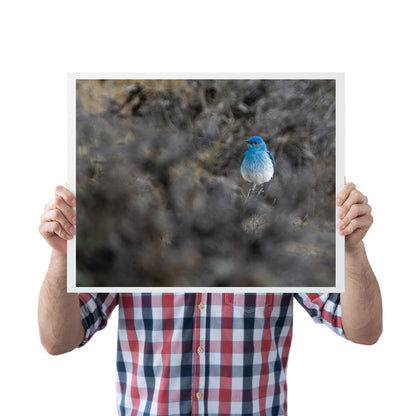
(199, 354)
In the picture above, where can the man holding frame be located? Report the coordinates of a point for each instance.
(202, 353)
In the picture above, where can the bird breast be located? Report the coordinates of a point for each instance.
(257, 168)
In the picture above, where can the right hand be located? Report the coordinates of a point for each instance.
(58, 220)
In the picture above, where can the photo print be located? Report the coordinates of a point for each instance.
(206, 183)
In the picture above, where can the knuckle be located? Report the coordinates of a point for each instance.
(352, 226)
(49, 204)
(52, 204)
(58, 202)
(58, 189)
(67, 226)
(55, 214)
(56, 228)
(354, 211)
(61, 204)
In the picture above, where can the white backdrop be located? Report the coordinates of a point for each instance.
(370, 41)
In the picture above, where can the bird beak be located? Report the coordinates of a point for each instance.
(247, 140)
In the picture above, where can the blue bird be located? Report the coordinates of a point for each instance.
(258, 163)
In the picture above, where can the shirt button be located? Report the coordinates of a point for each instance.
(199, 350)
(198, 395)
(201, 306)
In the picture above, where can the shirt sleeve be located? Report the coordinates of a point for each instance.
(96, 308)
(324, 308)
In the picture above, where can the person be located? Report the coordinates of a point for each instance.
(205, 353)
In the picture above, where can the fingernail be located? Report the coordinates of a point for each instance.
(71, 230)
(68, 237)
(340, 224)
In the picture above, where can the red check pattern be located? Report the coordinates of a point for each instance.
(204, 353)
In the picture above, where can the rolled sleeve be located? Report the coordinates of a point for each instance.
(96, 309)
(324, 308)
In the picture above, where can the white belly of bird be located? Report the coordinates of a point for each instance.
(260, 173)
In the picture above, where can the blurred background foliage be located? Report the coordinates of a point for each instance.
(160, 198)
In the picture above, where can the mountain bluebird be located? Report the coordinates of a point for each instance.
(258, 163)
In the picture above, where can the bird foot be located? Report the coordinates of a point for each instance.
(250, 192)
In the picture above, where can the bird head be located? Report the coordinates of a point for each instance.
(256, 143)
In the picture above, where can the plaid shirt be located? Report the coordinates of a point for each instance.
(204, 353)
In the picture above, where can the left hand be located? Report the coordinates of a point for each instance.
(354, 215)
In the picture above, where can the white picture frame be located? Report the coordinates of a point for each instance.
(339, 79)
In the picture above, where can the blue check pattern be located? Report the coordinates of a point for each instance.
(204, 353)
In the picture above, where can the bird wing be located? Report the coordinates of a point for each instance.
(271, 158)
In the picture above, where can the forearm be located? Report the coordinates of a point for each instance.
(59, 315)
(361, 302)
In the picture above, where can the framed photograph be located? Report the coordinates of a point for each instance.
(206, 182)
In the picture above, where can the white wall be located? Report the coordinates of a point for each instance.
(370, 41)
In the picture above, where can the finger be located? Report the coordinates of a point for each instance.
(355, 197)
(51, 228)
(66, 195)
(67, 210)
(360, 223)
(59, 203)
(356, 210)
(344, 193)
(57, 216)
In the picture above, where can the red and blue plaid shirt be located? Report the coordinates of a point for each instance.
(204, 353)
